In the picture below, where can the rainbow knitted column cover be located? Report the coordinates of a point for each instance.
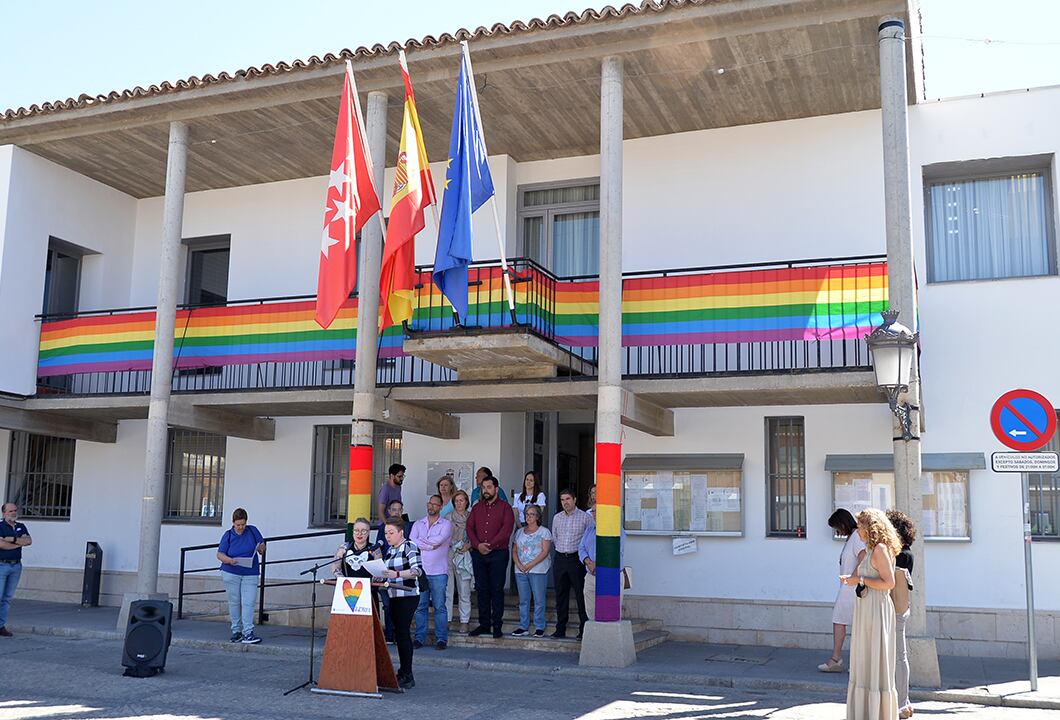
(360, 486)
(608, 531)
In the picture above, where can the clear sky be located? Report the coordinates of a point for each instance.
(62, 48)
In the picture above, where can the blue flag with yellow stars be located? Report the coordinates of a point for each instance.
(468, 185)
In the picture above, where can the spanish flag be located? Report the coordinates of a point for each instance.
(413, 192)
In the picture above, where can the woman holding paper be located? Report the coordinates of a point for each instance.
(403, 570)
(238, 552)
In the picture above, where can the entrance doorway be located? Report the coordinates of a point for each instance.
(575, 459)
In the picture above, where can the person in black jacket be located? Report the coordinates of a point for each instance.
(907, 534)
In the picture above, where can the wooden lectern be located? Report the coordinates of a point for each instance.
(356, 661)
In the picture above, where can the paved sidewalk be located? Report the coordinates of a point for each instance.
(983, 681)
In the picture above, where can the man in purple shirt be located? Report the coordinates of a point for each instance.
(489, 528)
(432, 535)
(391, 490)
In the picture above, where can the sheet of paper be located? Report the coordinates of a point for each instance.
(732, 500)
(376, 567)
(247, 562)
(844, 496)
(684, 545)
(700, 503)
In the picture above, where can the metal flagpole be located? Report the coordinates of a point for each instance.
(493, 198)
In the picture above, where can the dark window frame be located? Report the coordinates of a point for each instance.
(330, 471)
(54, 482)
(793, 473)
(990, 169)
(548, 212)
(1045, 488)
(205, 483)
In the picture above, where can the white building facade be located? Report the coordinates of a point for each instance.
(780, 450)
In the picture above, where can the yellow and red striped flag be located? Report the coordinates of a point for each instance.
(413, 192)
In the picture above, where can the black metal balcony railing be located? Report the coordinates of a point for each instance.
(773, 317)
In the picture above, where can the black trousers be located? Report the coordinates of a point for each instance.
(569, 574)
(402, 609)
(490, 571)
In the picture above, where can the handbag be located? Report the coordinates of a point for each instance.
(900, 592)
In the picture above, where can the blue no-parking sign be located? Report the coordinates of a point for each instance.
(1023, 420)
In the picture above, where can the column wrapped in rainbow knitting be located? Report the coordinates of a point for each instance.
(608, 532)
(360, 486)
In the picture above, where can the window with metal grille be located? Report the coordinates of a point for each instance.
(40, 475)
(786, 470)
(195, 476)
(1045, 499)
(331, 469)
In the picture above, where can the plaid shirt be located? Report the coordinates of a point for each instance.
(567, 530)
(405, 556)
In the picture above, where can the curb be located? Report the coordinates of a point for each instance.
(974, 696)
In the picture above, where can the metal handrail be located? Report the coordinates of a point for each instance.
(524, 262)
(264, 563)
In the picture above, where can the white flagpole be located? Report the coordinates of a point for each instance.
(362, 132)
(493, 198)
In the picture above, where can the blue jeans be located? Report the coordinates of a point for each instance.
(9, 575)
(531, 584)
(241, 590)
(435, 596)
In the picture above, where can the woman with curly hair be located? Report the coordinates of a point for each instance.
(906, 530)
(871, 693)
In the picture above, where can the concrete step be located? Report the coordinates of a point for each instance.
(642, 640)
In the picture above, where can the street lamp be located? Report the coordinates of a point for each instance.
(892, 346)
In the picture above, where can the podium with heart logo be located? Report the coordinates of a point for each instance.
(356, 661)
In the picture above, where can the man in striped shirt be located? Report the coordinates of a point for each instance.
(568, 527)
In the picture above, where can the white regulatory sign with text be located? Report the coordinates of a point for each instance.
(1025, 462)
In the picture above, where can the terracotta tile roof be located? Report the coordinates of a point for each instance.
(552, 22)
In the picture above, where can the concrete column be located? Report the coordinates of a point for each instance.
(923, 655)
(608, 641)
(364, 369)
(169, 276)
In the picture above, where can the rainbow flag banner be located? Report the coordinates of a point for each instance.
(802, 303)
(820, 302)
(608, 532)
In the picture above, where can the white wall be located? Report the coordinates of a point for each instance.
(42, 200)
(982, 338)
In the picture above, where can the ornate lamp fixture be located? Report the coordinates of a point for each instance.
(893, 346)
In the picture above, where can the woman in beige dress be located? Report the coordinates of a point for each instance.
(871, 693)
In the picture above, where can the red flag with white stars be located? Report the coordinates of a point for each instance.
(351, 200)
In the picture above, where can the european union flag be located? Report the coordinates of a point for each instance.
(468, 185)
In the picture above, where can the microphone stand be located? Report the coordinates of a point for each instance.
(312, 624)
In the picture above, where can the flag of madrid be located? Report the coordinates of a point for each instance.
(351, 200)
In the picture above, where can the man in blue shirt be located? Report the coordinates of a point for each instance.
(13, 537)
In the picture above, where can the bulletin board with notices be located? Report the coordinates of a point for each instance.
(683, 498)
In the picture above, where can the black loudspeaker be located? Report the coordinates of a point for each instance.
(147, 638)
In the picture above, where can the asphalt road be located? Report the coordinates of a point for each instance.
(52, 678)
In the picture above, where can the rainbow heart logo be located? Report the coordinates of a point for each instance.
(352, 592)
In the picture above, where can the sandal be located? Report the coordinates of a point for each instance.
(906, 712)
(832, 666)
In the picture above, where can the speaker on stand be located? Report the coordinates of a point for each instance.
(147, 638)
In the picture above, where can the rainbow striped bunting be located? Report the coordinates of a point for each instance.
(803, 303)
(608, 532)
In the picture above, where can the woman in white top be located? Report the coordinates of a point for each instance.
(533, 545)
(531, 495)
(844, 525)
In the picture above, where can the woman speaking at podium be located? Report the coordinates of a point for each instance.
(403, 572)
